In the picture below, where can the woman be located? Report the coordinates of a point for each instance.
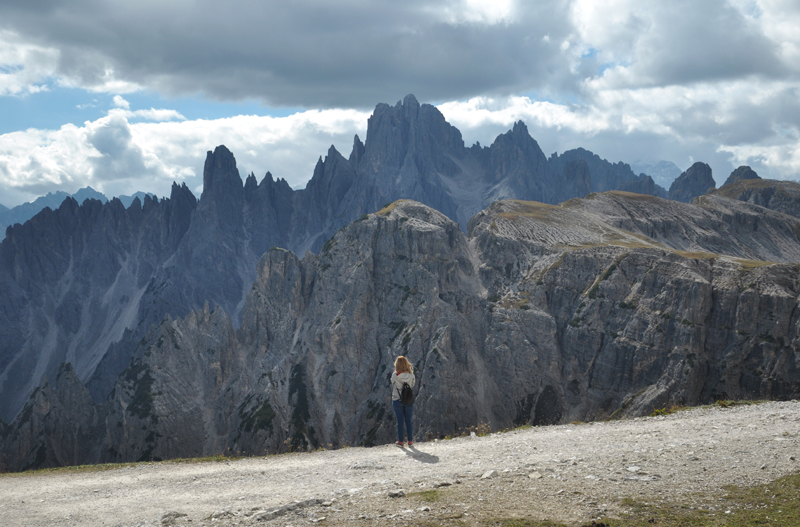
(403, 373)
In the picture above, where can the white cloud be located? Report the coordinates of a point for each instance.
(717, 81)
(119, 102)
(24, 67)
(480, 12)
(117, 154)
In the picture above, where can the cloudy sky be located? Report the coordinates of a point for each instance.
(128, 96)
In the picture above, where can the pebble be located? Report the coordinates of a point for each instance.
(489, 474)
(535, 475)
(397, 493)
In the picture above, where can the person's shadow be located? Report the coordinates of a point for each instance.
(420, 456)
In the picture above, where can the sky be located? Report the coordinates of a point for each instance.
(129, 96)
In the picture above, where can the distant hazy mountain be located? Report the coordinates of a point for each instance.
(26, 211)
(662, 172)
(127, 200)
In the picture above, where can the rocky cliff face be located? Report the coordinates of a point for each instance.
(614, 304)
(696, 181)
(72, 282)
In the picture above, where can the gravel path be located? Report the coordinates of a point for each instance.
(568, 473)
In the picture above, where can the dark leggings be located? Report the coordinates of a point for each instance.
(403, 414)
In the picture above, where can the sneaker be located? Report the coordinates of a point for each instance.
(399, 443)
(410, 443)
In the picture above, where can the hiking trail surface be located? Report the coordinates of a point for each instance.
(568, 473)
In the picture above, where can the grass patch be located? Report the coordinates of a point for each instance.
(528, 209)
(752, 264)
(593, 290)
(776, 504)
(388, 208)
(520, 522)
(696, 255)
(82, 469)
(428, 496)
(722, 403)
(666, 411)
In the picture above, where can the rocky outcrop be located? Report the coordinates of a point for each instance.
(696, 181)
(611, 305)
(780, 196)
(604, 175)
(743, 172)
(58, 425)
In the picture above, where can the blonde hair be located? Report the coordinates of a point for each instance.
(401, 365)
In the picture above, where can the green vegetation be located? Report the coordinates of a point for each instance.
(697, 255)
(776, 504)
(666, 411)
(429, 496)
(519, 522)
(605, 276)
(389, 207)
(81, 469)
(327, 246)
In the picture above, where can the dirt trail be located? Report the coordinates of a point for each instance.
(569, 473)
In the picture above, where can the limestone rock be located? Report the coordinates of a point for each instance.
(780, 196)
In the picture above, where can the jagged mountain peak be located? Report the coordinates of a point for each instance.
(695, 181)
(520, 128)
(358, 150)
(743, 172)
(220, 171)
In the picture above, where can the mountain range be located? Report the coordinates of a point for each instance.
(178, 327)
(26, 211)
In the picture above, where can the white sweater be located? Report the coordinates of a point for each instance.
(397, 383)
